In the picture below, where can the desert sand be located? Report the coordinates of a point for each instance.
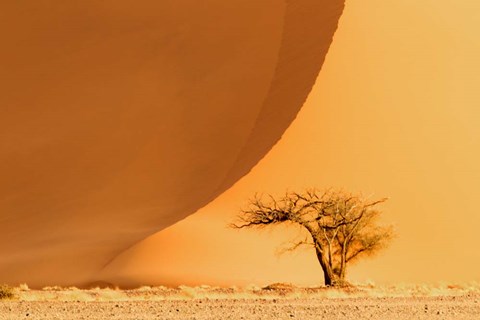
(275, 302)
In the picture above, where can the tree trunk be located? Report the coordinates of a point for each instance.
(329, 275)
(343, 263)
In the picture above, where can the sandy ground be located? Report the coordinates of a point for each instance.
(283, 308)
(277, 302)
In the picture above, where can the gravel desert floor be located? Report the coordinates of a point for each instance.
(262, 303)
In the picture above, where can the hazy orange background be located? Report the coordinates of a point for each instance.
(395, 112)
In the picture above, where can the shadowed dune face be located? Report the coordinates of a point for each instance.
(121, 118)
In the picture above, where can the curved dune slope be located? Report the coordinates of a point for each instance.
(395, 112)
(121, 118)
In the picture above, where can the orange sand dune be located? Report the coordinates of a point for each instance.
(119, 118)
(395, 112)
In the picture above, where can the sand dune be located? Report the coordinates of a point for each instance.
(393, 113)
(120, 118)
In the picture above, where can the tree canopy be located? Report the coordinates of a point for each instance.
(342, 226)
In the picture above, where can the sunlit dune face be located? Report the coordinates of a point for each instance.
(394, 113)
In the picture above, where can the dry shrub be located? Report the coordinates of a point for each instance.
(108, 294)
(279, 286)
(6, 292)
(52, 288)
(23, 287)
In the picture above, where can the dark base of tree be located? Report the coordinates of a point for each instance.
(338, 283)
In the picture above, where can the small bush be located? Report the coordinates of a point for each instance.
(23, 287)
(6, 292)
(279, 287)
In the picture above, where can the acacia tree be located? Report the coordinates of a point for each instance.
(342, 227)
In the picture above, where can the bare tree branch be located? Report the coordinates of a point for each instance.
(342, 226)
